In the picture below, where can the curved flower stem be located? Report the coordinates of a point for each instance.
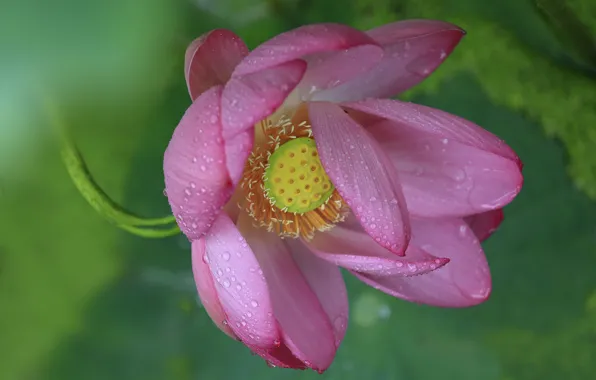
(94, 195)
(151, 232)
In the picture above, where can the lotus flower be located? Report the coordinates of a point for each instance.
(292, 162)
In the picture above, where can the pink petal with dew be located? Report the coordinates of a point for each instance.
(436, 122)
(484, 224)
(206, 288)
(464, 281)
(210, 60)
(353, 249)
(241, 287)
(331, 69)
(300, 42)
(413, 50)
(442, 177)
(237, 149)
(326, 281)
(304, 323)
(362, 175)
(250, 98)
(196, 178)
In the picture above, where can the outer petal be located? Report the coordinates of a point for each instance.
(300, 42)
(484, 224)
(242, 290)
(436, 122)
(206, 288)
(210, 60)
(362, 175)
(326, 281)
(464, 281)
(197, 181)
(280, 356)
(413, 50)
(305, 325)
(237, 150)
(331, 69)
(250, 98)
(353, 249)
(441, 177)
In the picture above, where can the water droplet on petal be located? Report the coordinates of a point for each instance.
(463, 230)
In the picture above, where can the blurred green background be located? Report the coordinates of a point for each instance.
(81, 299)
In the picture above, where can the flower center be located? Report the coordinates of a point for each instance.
(286, 188)
(294, 179)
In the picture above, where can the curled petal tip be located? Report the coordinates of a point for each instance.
(210, 60)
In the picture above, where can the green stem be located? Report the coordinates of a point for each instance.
(94, 195)
(155, 233)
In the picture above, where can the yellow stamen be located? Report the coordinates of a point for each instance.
(287, 190)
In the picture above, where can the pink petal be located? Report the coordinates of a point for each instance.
(484, 224)
(331, 69)
(361, 174)
(413, 50)
(242, 290)
(210, 60)
(305, 326)
(237, 149)
(436, 122)
(300, 42)
(206, 288)
(196, 177)
(250, 98)
(326, 281)
(443, 177)
(355, 250)
(464, 281)
(280, 356)
(396, 32)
